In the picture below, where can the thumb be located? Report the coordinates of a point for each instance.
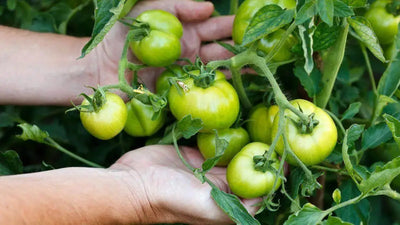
(192, 11)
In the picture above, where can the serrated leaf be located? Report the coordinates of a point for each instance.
(306, 12)
(341, 9)
(355, 3)
(332, 220)
(220, 146)
(390, 80)
(354, 133)
(367, 36)
(381, 176)
(306, 35)
(308, 215)
(188, 126)
(325, 11)
(231, 205)
(10, 163)
(353, 109)
(394, 126)
(325, 36)
(32, 132)
(106, 15)
(309, 82)
(267, 20)
(375, 136)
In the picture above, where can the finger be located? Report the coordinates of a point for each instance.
(191, 11)
(215, 28)
(214, 51)
(251, 205)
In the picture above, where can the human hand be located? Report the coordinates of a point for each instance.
(171, 191)
(198, 27)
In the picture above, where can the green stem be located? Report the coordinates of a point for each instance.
(340, 171)
(234, 5)
(344, 204)
(369, 69)
(238, 84)
(338, 122)
(191, 168)
(54, 144)
(332, 59)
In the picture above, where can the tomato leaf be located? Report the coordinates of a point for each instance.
(267, 20)
(341, 9)
(106, 15)
(33, 132)
(365, 33)
(306, 34)
(188, 126)
(394, 126)
(309, 82)
(325, 36)
(332, 220)
(325, 10)
(355, 3)
(220, 146)
(308, 215)
(355, 213)
(10, 163)
(375, 136)
(306, 12)
(232, 206)
(353, 109)
(381, 176)
(390, 80)
(351, 135)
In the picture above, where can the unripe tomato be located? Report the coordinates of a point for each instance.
(244, 180)
(266, 44)
(260, 122)
(310, 147)
(161, 46)
(248, 9)
(162, 83)
(384, 24)
(108, 120)
(139, 122)
(217, 105)
(237, 138)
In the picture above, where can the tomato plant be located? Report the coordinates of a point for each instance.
(107, 119)
(260, 122)
(217, 105)
(244, 179)
(140, 122)
(161, 45)
(236, 138)
(311, 142)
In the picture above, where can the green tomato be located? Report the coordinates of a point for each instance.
(384, 23)
(248, 9)
(161, 46)
(260, 123)
(266, 44)
(108, 120)
(162, 83)
(311, 148)
(139, 122)
(244, 180)
(237, 138)
(217, 105)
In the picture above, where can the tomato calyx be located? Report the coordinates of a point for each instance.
(95, 102)
(139, 29)
(262, 164)
(205, 78)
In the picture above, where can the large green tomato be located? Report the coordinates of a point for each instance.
(260, 122)
(162, 83)
(217, 105)
(310, 147)
(161, 46)
(248, 9)
(244, 180)
(384, 24)
(266, 44)
(108, 120)
(236, 138)
(139, 122)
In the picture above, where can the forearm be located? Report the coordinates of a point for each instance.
(42, 68)
(72, 196)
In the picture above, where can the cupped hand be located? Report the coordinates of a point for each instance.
(198, 29)
(173, 192)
